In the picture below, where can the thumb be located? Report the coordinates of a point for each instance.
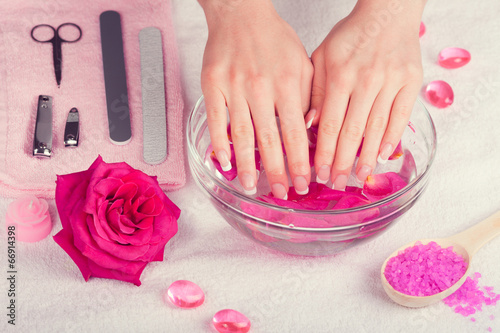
(317, 91)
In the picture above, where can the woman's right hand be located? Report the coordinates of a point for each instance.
(255, 64)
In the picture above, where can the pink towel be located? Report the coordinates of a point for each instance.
(26, 71)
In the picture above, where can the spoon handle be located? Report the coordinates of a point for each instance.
(476, 236)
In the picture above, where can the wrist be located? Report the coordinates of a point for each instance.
(392, 14)
(225, 11)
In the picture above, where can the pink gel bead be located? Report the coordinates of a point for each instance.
(453, 57)
(422, 29)
(439, 94)
(231, 321)
(31, 218)
(185, 294)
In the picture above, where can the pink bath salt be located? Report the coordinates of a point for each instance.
(470, 297)
(424, 270)
(473, 319)
(490, 329)
(492, 317)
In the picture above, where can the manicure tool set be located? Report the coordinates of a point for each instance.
(115, 82)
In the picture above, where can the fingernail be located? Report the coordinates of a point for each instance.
(340, 182)
(248, 183)
(385, 153)
(323, 174)
(309, 118)
(223, 160)
(363, 172)
(279, 191)
(300, 184)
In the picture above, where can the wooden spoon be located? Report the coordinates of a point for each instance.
(466, 244)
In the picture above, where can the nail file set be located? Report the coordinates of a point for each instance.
(152, 85)
(115, 82)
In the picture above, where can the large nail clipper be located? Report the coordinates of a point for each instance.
(42, 143)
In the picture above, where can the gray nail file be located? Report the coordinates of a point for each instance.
(115, 79)
(42, 142)
(154, 120)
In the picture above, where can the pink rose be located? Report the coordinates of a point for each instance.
(115, 220)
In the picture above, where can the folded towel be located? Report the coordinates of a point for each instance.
(26, 71)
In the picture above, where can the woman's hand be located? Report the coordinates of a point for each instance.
(367, 75)
(255, 64)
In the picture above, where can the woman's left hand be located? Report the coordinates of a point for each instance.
(367, 75)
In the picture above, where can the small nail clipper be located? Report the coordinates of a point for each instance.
(42, 143)
(71, 132)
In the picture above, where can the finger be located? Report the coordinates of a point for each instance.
(375, 129)
(317, 91)
(330, 125)
(306, 85)
(242, 134)
(398, 120)
(215, 104)
(294, 136)
(268, 140)
(351, 134)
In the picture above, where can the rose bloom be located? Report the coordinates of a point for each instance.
(115, 220)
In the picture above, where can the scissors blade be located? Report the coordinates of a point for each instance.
(57, 55)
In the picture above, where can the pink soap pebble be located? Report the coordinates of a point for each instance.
(439, 93)
(453, 57)
(424, 270)
(185, 294)
(231, 321)
(30, 218)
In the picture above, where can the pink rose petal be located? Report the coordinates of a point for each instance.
(397, 153)
(381, 185)
(229, 175)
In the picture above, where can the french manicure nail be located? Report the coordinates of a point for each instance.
(223, 160)
(363, 172)
(340, 182)
(248, 183)
(385, 153)
(309, 118)
(279, 191)
(323, 174)
(300, 184)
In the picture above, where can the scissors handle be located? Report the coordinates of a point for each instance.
(69, 41)
(49, 40)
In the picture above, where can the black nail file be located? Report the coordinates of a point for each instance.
(115, 79)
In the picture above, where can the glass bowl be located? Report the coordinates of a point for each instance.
(328, 231)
